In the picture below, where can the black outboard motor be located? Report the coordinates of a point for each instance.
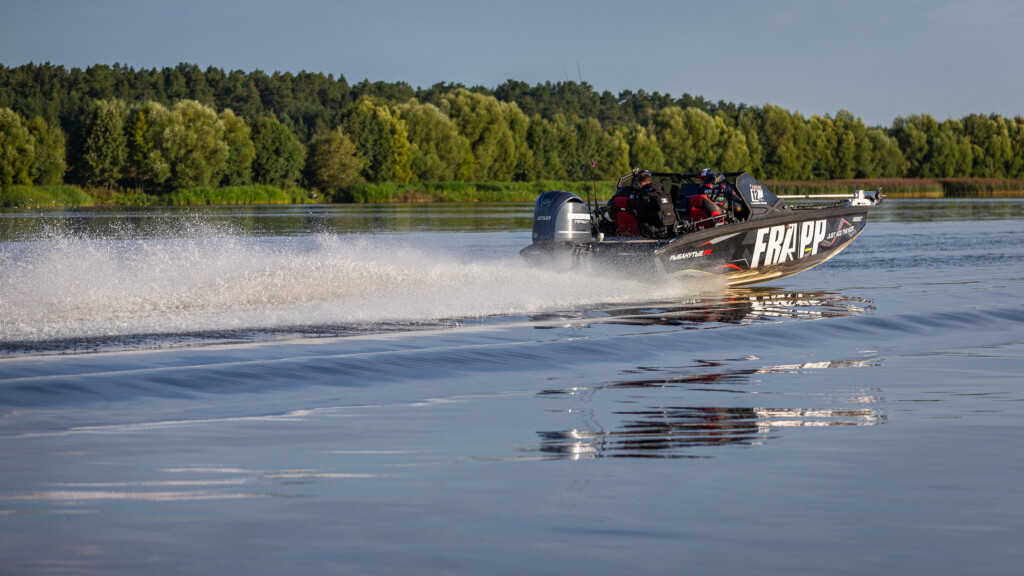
(561, 218)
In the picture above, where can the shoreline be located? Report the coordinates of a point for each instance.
(66, 196)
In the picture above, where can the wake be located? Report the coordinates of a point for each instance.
(67, 286)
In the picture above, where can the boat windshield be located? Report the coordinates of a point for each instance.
(625, 182)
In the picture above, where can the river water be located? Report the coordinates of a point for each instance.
(390, 390)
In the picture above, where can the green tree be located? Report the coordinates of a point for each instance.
(48, 160)
(279, 156)
(543, 141)
(105, 148)
(239, 93)
(644, 151)
(822, 145)
(785, 140)
(568, 155)
(146, 166)
(382, 138)
(733, 154)
(838, 147)
(438, 151)
(914, 136)
(688, 138)
(241, 151)
(193, 144)
(333, 163)
(1016, 132)
(519, 166)
(849, 145)
(886, 157)
(950, 153)
(17, 149)
(747, 122)
(990, 139)
(606, 149)
(482, 121)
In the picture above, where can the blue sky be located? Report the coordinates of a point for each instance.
(877, 59)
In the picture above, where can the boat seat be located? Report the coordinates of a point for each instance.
(702, 208)
(625, 219)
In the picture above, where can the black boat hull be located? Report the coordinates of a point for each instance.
(763, 250)
(742, 232)
(742, 253)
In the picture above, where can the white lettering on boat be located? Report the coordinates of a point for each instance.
(779, 244)
(693, 254)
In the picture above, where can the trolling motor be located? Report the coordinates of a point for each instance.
(867, 197)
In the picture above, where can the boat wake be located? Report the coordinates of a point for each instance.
(67, 287)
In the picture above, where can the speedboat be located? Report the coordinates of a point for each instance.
(745, 233)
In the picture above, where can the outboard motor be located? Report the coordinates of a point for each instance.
(561, 217)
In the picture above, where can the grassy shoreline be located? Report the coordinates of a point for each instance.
(423, 192)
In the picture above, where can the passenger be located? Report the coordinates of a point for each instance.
(655, 213)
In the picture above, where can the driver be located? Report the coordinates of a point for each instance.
(714, 186)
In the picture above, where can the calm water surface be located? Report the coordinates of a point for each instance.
(390, 390)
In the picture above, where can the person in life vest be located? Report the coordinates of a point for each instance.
(724, 195)
(655, 213)
(702, 211)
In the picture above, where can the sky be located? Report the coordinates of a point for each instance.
(878, 59)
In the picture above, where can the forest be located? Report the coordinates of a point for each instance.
(155, 131)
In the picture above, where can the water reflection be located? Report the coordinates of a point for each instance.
(657, 430)
(284, 220)
(179, 485)
(735, 306)
(943, 209)
(290, 220)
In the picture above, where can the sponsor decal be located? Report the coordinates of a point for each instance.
(687, 255)
(779, 244)
(858, 218)
(757, 194)
(845, 229)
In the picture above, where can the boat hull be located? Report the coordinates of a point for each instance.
(742, 253)
(763, 250)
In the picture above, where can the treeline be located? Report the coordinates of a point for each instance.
(162, 130)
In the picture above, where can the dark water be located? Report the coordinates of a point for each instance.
(389, 390)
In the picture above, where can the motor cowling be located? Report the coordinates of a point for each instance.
(561, 217)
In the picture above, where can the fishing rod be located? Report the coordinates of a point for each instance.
(579, 146)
